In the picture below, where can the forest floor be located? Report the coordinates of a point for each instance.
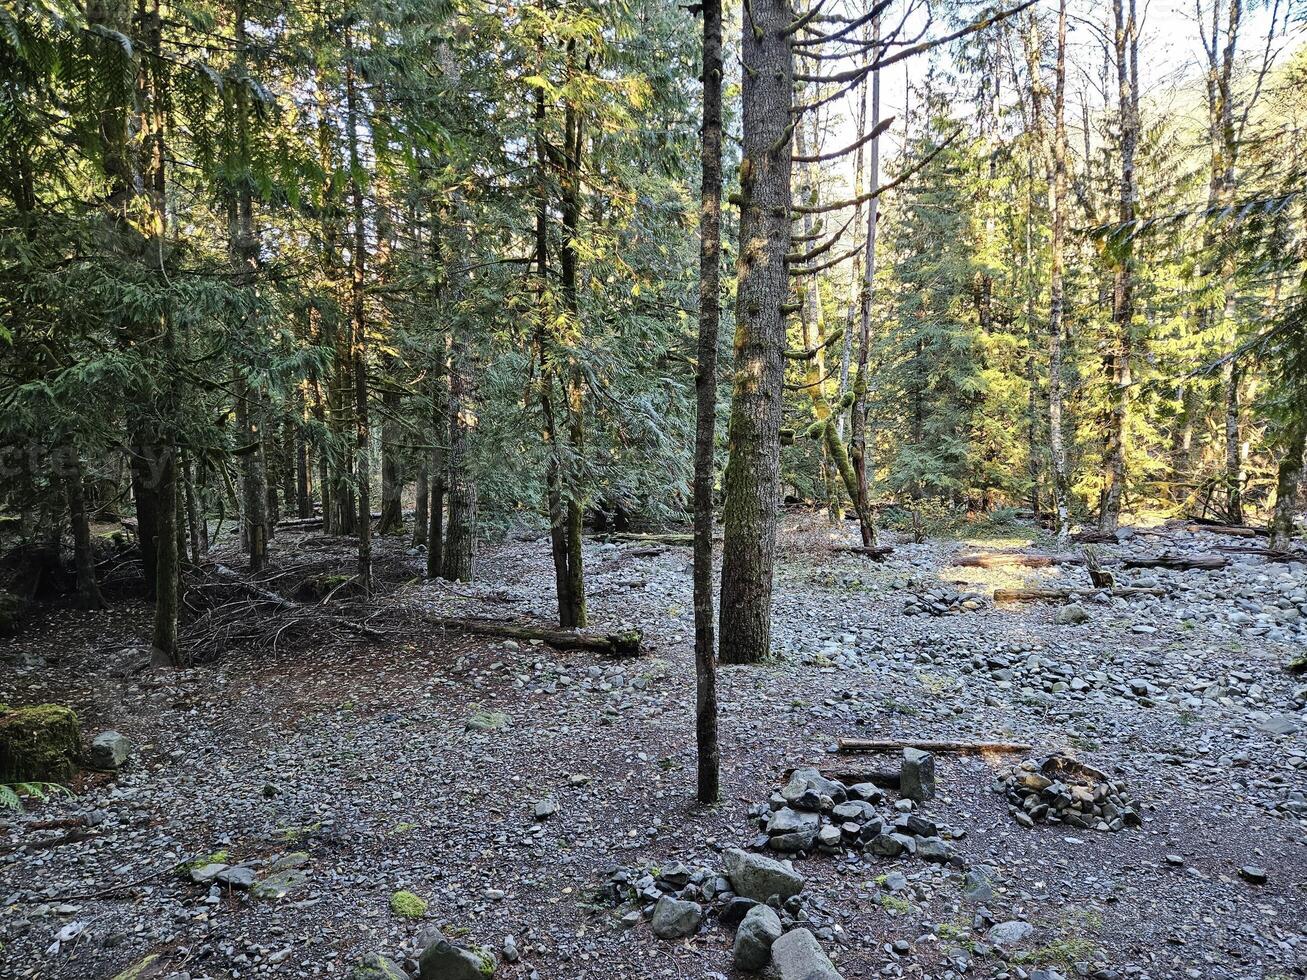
(360, 755)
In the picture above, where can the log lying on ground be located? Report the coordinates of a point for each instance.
(1002, 559)
(624, 644)
(685, 540)
(878, 553)
(1180, 563)
(1270, 554)
(1094, 537)
(1233, 530)
(1062, 595)
(851, 745)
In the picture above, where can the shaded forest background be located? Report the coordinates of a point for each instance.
(439, 263)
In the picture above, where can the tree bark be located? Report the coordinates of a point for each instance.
(1288, 481)
(421, 504)
(358, 326)
(705, 385)
(460, 535)
(244, 256)
(88, 590)
(1127, 67)
(858, 427)
(392, 478)
(1057, 293)
(753, 468)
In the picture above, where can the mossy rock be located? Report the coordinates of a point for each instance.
(39, 744)
(12, 608)
(407, 905)
(374, 966)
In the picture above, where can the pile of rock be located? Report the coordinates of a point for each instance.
(813, 813)
(1063, 790)
(942, 601)
(440, 959)
(760, 898)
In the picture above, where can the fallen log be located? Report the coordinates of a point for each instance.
(299, 522)
(1270, 554)
(1062, 595)
(623, 644)
(1233, 530)
(1002, 559)
(851, 745)
(1094, 537)
(683, 540)
(878, 553)
(1179, 563)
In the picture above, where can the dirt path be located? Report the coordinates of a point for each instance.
(362, 757)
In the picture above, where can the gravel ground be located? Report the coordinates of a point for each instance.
(416, 763)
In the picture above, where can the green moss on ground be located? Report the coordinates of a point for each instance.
(407, 905)
(39, 744)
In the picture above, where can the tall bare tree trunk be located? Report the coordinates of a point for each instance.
(1288, 481)
(88, 589)
(1127, 67)
(705, 390)
(1057, 294)
(358, 326)
(858, 429)
(421, 502)
(244, 257)
(753, 477)
(460, 533)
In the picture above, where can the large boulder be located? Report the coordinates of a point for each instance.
(759, 878)
(753, 940)
(917, 775)
(109, 750)
(798, 956)
(442, 960)
(676, 919)
(39, 744)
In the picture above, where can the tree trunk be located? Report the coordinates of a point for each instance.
(753, 469)
(303, 473)
(439, 469)
(705, 389)
(1114, 475)
(194, 518)
(358, 326)
(88, 590)
(570, 206)
(392, 478)
(460, 535)
(1288, 481)
(422, 500)
(1057, 294)
(858, 428)
(243, 250)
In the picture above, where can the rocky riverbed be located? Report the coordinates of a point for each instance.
(504, 785)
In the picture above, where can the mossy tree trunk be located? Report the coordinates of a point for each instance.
(753, 469)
